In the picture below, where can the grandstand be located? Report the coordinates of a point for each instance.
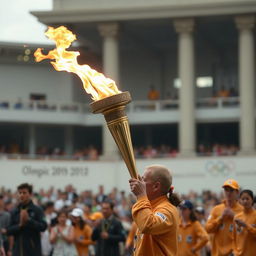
(199, 55)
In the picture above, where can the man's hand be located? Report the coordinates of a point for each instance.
(240, 223)
(228, 213)
(104, 235)
(138, 187)
(23, 217)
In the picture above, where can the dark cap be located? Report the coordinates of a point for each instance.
(186, 204)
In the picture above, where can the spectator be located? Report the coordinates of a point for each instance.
(192, 236)
(153, 94)
(245, 229)
(220, 222)
(50, 217)
(223, 92)
(155, 213)
(27, 222)
(82, 232)
(130, 238)
(108, 232)
(62, 237)
(101, 197)
(4, 222)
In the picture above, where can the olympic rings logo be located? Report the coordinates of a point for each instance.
(218, 167)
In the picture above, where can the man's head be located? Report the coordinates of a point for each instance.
(107, 208)
(158, 181)
(25, 192)
(231, 190)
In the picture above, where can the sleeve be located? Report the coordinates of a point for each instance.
(14, 228)
(119, 235)
(252, 228)
(96, 233)
(202, 237)
(38, 223)
(149, 222)
(87, 236)
(213, 222)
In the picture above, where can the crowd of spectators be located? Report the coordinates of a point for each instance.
(92, 153)
(55, 201)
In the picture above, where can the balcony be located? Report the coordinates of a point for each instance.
(139, 112)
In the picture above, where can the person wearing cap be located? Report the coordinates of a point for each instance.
(82, 232)
(245, 226)
(155, 213)
(192, 236)
(220, 221)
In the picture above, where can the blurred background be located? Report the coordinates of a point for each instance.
(189, 66)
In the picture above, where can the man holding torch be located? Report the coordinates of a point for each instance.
(155, 213)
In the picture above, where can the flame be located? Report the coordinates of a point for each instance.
(94, 82)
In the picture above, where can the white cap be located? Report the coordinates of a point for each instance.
(77, 212)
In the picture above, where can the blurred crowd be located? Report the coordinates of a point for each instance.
(64, 205)
(149, 151)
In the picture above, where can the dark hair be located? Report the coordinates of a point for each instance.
(110, 202)
(192, 216)
(174, 198)
(62, 211)
(249, 192)
(26, 186)
(81, 223)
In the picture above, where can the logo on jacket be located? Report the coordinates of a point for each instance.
(189, 239)
(162, 216)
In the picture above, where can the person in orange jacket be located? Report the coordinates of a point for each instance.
(220, 221)
(130, 238)
(192, 236)
(244, 242)
(155, 213)
(82, 232)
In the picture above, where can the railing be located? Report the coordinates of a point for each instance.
(134, 106)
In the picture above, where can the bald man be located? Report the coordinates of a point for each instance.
(155, 213)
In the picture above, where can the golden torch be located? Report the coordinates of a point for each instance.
(108, 100)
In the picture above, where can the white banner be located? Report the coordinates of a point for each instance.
(194, 174)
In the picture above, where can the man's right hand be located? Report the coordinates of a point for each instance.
(23, 217)
(228, 213)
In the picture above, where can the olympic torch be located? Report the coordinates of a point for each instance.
(108, 100)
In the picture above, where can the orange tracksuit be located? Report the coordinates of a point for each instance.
(245, 238)
(192, 235)
(84, 237)
(131, 235)
(157, 223)
(222, 230)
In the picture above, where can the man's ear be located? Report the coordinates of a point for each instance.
(157, 185)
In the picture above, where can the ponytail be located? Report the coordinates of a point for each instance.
(173, 198)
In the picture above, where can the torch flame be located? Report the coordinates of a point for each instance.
(94, 82)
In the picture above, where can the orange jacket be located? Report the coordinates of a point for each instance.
(84, 237)
(157, 223)
(191, 236)
(245, 237)
(222, 230)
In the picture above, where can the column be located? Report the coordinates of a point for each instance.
(69, 145)
(109, 32)
(184, 28)
(32, 140)
(246, 55)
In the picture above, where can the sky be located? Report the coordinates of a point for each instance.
(18, 25)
